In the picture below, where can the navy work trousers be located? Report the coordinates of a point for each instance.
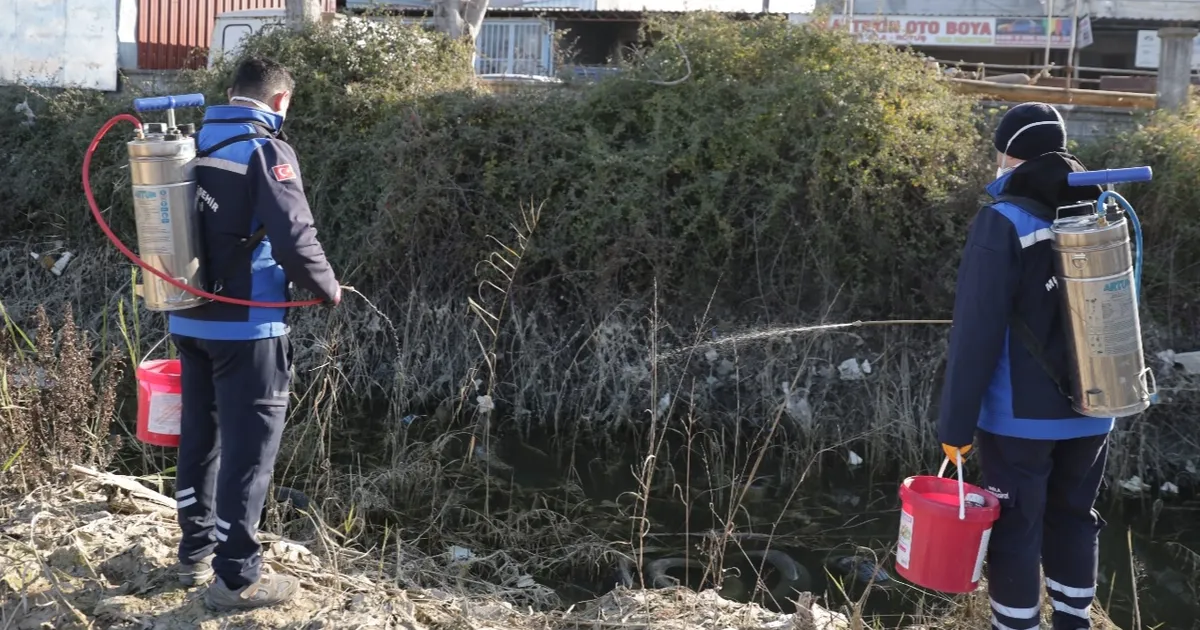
(235, 400)
(1047, 490)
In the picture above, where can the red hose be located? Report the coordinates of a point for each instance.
(87, 189)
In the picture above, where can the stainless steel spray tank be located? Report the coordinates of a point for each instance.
(161, 167)
(1099, 278)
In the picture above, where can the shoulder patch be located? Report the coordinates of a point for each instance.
(283, 172)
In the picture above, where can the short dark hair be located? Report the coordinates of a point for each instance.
(261, 78)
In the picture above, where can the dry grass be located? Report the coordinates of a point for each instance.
(79, 556)
(51, 415)
(411, 490)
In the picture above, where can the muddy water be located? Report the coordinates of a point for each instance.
(841, 512)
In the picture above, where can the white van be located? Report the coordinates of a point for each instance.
(495, 61)
(231, 27)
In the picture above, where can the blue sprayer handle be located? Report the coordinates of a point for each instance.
(1110, 176)
(159, 103)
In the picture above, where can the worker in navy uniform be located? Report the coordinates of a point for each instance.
(1005, 386)
(258, 237)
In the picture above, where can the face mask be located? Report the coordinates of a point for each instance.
(1000, 172)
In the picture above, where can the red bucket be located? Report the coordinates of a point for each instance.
(160, 407)
(942, 546)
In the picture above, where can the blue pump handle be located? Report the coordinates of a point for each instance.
(159, 103)
(1110, 176)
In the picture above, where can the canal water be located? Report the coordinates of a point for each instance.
(1150, 549)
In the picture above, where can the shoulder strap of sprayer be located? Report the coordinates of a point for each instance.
(260, 131)
(248, 243)
(1027, 338)
(1018, 325)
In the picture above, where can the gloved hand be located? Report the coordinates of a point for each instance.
(954, 452)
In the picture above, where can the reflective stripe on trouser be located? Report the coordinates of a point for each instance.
(1046, 489)
(1009, 618)
(226, 458)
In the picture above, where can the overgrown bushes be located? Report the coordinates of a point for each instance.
(742, 174)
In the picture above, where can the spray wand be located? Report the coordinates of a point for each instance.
(149, 104)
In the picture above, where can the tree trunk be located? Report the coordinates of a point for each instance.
(460, 19)
(300, 13)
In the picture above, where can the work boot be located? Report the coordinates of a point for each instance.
(269, 590)
(196, 573)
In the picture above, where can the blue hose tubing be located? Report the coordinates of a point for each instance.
(1137, 239)
(1137, 236)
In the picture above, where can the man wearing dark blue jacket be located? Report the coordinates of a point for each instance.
(1005, 383)
(258, 236)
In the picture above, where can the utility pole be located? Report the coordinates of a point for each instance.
(1074, 43)
(300, 13)
(1049, 29)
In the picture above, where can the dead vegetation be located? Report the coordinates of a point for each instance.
(83, 554)
(76, 555)
(51, 414)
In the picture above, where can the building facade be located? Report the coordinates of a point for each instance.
(1092, 40)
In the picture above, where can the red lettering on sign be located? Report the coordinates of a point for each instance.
(968, 28)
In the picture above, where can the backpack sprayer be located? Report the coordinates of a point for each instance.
(161, 168)
(1101, 284)
(945, 524)
(161, 165)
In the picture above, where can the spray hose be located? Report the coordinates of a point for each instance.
(1137, 235)
(87, 189)
(1110, 177)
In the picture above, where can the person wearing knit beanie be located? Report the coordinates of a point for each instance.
(1006, 396)
(1027, 131)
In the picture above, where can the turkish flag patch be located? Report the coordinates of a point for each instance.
(283, 172)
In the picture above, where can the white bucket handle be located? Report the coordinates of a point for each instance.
(154, 347)
(962, 501)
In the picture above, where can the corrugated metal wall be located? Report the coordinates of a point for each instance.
(171, 31)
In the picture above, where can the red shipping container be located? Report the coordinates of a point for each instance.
(175, 34)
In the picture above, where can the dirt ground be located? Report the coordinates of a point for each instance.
(83, 555)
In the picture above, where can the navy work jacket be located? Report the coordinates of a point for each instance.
(241, 187)
(993, 381)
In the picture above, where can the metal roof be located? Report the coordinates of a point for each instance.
(606, 7)
(1186, 11)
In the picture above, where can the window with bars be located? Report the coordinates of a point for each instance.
(514, 47)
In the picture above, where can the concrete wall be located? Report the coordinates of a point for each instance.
(150, 82)
(59, 43)
(127, 26)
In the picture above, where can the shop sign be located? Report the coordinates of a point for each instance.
(1084, 39)
(907, 30)
(1031, 32)
(921, 30)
